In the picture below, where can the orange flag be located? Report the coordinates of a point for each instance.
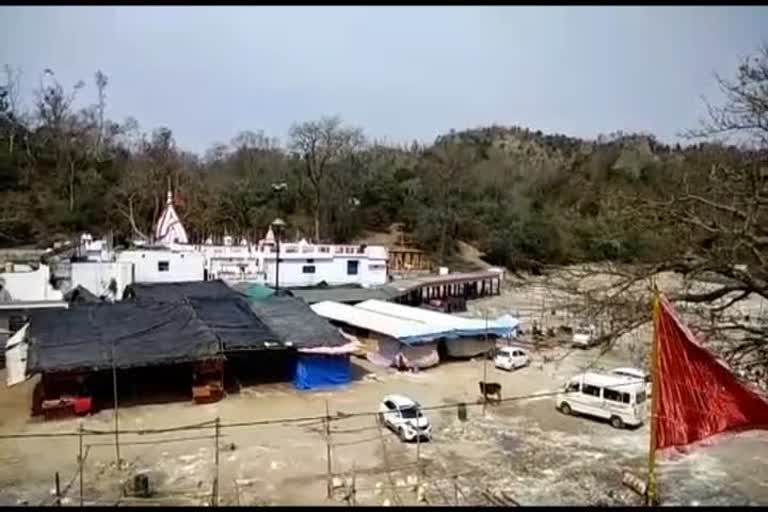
(698, 396)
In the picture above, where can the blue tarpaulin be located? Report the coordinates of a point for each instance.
(316, 371)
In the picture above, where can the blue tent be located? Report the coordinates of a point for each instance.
(317, 371)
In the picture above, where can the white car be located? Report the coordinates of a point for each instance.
(511, 358)
(584, 336)
(403, 415)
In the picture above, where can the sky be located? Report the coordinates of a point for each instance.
(401, 73)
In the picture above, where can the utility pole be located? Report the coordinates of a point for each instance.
(277, 226)
(114, 396)
(485, 361)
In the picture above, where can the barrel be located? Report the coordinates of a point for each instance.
(141, 485)
(462, 410)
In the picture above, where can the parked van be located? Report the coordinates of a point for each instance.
(621, 400)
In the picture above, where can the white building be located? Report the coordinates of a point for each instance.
(23, 288)
(24, 282)
(162, 265)
(172, 258)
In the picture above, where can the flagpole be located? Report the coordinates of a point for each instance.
(651, 494)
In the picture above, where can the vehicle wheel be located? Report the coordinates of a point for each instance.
(565, 408)
(401, 434)
(616, 422)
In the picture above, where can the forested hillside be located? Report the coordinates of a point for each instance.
(523, 197)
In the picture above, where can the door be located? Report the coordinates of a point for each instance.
(591, 401)
(518, 358)
(617, 404)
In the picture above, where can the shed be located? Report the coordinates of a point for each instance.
(467, 337)
(323, 358)
(399, 341)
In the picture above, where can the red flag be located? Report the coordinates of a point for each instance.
(699, 397)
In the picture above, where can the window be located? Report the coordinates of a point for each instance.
(163, 266)
(572, 387)
(410, 413)
(640, 397)
(591, 390)
(616, 396)
(308, 269)
(389, 405)
(352, 267)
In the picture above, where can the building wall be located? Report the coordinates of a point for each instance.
(26, 284)
(156, 266)
(333, 271)
(96, 276)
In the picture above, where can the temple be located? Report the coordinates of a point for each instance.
(170, 257)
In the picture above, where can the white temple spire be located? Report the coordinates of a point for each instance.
(169, 228)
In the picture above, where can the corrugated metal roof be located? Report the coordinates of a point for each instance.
(461, 325)
(404, 285)
(407, 331)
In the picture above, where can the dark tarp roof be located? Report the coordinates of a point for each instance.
(174, 292)
(254, 291)
(80, 294)
(295, 322)
(236, 325)
(344, 294)
(220, 307)
(144, 334)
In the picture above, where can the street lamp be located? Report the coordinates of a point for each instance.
(277, 225)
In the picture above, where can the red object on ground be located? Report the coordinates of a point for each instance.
(83, 405)
(699, 397)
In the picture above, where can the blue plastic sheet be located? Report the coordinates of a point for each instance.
(317, 371)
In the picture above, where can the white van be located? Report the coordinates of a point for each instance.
(621, 400)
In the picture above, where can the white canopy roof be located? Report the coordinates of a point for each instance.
(399, 328)
(462, 325)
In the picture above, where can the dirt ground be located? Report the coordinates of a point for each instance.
(523, 448)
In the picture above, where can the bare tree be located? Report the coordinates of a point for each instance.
(322, 145)
(717, 218)
(63, 128)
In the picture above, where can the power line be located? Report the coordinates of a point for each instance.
(284, 421)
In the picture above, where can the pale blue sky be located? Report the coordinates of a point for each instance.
(398, 72)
